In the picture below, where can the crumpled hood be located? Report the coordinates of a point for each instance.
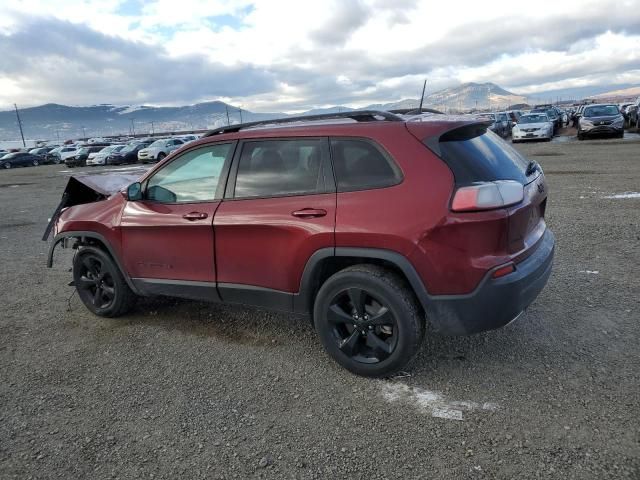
(89, 188)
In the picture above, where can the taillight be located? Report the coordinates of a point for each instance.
(487, 196)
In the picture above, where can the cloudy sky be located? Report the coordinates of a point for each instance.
(288, 55)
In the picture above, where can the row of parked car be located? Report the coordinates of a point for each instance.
(540, 123)
(95, 153)
(631, 113)
(544, 121)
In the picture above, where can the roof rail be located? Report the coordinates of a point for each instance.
(357, 115)
(415, 111)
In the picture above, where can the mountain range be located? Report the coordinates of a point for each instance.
(61, 122)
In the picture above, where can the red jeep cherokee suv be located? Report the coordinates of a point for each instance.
(367, 222)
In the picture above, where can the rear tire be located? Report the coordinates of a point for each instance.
(161, 155)
(368, 320)
(100, 283)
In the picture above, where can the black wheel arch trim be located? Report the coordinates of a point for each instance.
(302, 301)
(94, 235)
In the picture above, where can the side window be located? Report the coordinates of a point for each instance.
(360, 165)
(192, 177)
(280, 167)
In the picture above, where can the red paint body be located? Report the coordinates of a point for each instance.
(259, 242)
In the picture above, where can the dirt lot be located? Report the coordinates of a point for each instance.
(181, 389)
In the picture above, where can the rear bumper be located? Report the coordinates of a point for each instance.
(495, 302)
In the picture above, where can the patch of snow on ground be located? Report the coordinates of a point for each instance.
(624, 195)
(434, 403)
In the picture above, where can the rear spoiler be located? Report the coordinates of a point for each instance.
(425, 132)
(87, 189)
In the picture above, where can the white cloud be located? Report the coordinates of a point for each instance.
(324, 52)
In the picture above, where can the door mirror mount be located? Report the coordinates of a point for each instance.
(134, 192)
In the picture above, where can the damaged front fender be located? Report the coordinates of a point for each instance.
(87, 189)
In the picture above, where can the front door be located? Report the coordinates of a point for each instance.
(169, 233)
(279, 208)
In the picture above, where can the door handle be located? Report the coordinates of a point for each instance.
(191, 216)
(309, 213)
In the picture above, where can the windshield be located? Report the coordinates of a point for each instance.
(82, 151)
(158, 143)
(601, 111)
(488, 116)
(533, 119)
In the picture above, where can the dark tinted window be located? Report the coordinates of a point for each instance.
(359, 165)
(476, 155)
(280, 167)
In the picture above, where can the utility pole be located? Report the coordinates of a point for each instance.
(84, 133)
(133, 128)
(20, 125)
(153, 130)
(240, 110)
(227, 110)
(58, 135)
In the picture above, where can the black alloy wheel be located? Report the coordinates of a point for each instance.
(35, 162)
(7, 165)
(95, 283)
(368, 320)
(100, 283)
(363, 327)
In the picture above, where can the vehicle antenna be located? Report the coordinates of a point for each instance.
(424, 86)
(20, 125)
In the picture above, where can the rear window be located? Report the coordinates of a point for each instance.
(361, 165)
(475, 154)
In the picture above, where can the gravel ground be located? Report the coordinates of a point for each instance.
(189, 390)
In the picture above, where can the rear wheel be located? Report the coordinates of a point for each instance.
(368, 320)
(161, 155)
(100, 284)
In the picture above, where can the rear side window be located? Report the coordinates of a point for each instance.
(360, 165)
(475, 154)
(275, 168)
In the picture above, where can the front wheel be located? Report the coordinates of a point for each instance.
(100, 284)
(368, 320)
(35, 163)
(7, 165)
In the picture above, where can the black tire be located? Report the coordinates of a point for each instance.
(100, 284)
(368, 346)
(580, 136)
(514, 141)
(35, 163)
(7, 165)
(161, 155)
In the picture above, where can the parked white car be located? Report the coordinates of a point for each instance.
(532, 126)
(100, 158)
(66, 152)
(159, 149)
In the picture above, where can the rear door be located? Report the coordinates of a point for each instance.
(169, 233)
(279, 208)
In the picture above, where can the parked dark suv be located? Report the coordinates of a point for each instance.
(369, 226)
